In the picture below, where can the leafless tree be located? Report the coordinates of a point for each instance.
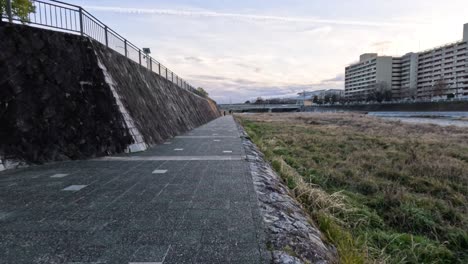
(380, 92)
(409, 92)
(259, 100)
(440, 87)
(334, 98)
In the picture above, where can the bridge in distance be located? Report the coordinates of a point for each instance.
(240, 108)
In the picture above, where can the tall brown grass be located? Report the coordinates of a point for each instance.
(382, 191)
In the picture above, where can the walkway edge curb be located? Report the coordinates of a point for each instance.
(284, 219)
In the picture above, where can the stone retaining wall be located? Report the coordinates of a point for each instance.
(57, 103)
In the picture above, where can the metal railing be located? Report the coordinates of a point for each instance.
(74, 19)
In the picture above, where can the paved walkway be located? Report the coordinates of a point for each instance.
(190, 200)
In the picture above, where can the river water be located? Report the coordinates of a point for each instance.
(438, 118)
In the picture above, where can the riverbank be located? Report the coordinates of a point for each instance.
(426, 106)
(459, 119)
(380, 190)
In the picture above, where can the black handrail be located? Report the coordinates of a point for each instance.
(71, 18)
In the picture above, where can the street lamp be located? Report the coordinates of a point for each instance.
(147, 52)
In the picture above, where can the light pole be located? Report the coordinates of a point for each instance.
(147, 52)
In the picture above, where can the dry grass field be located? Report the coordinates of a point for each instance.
(381, 191)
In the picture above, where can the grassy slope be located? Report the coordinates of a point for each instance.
(381, 191)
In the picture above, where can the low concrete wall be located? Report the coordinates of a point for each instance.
(67, 97)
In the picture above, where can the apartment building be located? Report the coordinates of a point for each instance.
(443, 71)
(439, 72)
(409, 77)
(362, 77)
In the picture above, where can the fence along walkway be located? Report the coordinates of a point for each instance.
(74, 19)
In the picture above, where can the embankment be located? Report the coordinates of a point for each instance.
(405, 107)
(64, 97)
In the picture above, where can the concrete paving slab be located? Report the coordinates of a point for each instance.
(159, 171)
(74, 188)
(59, 175)
(159, 206)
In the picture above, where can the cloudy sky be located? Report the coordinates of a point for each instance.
(241, 49)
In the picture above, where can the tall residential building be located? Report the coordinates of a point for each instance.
(362, 77)
(443, 70)
(409, 76)
(439, 72)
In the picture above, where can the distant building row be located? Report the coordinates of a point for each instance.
(440, 72)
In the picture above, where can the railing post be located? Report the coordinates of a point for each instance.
(139, 56)
(81, 21)
(172, 77)
(159, 66)
(125, 47)
(107, 38)
(166, 75)
(151, 64)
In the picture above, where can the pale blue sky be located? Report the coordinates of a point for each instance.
(242, 49)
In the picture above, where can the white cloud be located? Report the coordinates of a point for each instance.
(254, 17)
(238, 56)
(318, 30)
